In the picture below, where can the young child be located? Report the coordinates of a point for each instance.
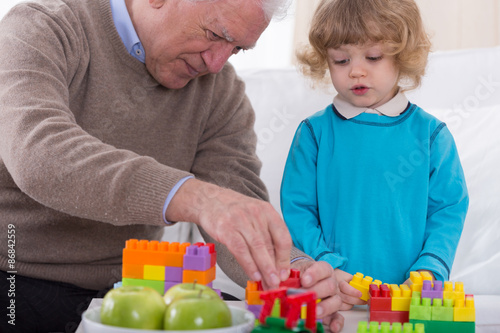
(372, 183)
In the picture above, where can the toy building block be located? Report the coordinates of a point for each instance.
(197, 258)
(390, 316)
(294, 309)
(293, 280)
(170, 284)
(145, 252)
(159, 286)
(420, 308)
(269, 297)
(173, 274)
(252, 293)
(432, 326)
(432, 292)
(442, 309)
(416, 281)
(464, 312)
(373, 327)
(450, 293)
(202, 277)
(152, 272)
(277, 325)
(133, 271)
(401, 297)
(363, 284)
(380, 298)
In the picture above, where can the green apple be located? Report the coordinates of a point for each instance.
(133, 307)
(196, 313)
(188, 290)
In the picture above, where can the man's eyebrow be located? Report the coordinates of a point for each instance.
(230, 39)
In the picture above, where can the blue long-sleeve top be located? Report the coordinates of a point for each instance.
(379, 195)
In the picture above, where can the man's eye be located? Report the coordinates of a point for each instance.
(213, 36)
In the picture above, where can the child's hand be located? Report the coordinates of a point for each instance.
(350, 296)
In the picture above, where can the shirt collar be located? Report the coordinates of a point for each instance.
(392, 108)
(126, 30)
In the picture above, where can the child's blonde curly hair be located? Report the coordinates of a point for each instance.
(396, 23)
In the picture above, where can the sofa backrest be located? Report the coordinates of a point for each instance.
(461, 88)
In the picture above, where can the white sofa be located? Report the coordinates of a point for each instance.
(461, 88)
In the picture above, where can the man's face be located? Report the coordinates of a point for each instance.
(183, 40)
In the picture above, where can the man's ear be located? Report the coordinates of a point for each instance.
(156, 4)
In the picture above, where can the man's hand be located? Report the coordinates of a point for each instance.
(251, 229)
(320, 278)
(350, 295)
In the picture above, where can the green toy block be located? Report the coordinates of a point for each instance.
(159, 286)
(440, 311)
(277, 325)
(446, 326)
(420, 309)
(385, 327)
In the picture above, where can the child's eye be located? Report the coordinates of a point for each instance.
(374, 58)
(341, 62)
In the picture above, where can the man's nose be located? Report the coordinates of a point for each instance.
(216, 57)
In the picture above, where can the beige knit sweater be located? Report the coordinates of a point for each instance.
(91, 144)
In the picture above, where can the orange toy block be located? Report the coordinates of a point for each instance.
(132, 271)
(154, 253)
(201, 277)
(252, 293)
(363, 284)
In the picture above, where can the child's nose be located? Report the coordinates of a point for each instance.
(357, 70)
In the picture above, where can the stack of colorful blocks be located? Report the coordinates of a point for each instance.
(161, 265)
(253, 302)
(440, 308)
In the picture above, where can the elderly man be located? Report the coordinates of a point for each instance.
(118, 118)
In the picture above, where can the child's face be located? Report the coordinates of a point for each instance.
(362, 74)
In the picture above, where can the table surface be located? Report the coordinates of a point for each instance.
(487, 314)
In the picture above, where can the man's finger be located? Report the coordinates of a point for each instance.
(282, 243)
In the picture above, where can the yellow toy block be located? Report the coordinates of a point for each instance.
(363, 284)
(303, 310)
(156, 253)
(464, 313)
(400, 297)
(453, 294)
(155, 273)
(426, 276)
(133, 271)
(416, 281)
(201, 277)
(252, 294)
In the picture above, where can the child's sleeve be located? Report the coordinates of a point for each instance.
(447, 206)
(299, 200)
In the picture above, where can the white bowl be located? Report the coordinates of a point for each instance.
(243, 322)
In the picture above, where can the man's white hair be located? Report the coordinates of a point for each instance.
(272, 8)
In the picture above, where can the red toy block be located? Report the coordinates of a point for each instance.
(380, 298)
(390, 316)
(293, 281)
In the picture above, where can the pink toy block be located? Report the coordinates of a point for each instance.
(432, 292)
(173, 274)
(390, 316)
(197, 258)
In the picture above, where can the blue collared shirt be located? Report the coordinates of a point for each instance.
(126, 30)
(127, 33)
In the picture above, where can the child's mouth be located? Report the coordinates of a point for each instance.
(359, 90)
